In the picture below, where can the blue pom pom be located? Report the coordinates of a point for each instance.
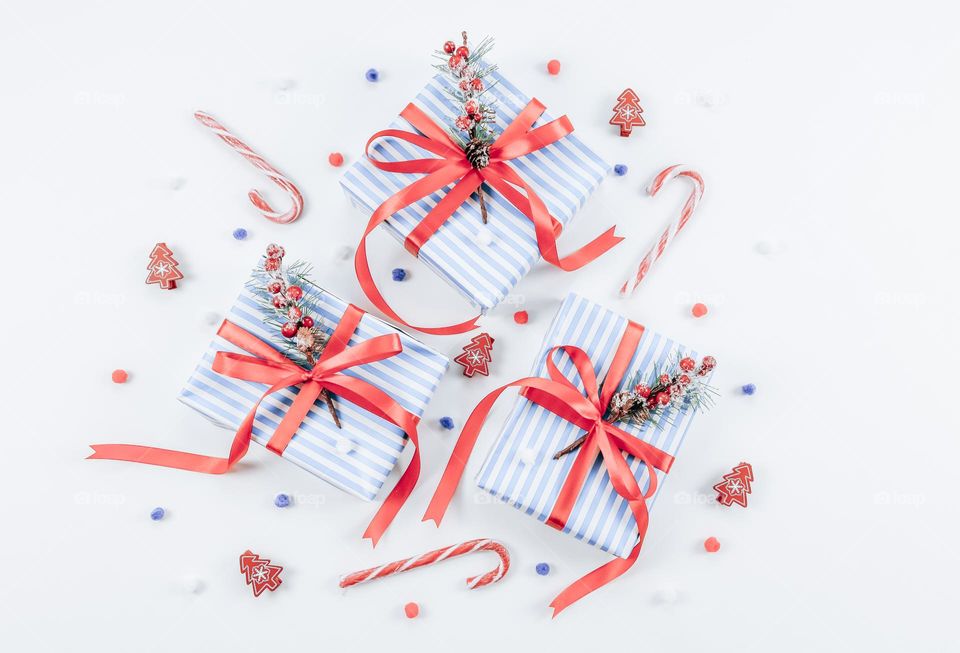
(157, 514)
(620, 169)
(749, 389)
(281, 500)
(399, 274)
(240, 233)
(446, 422)
(543, 569)
(372, 75)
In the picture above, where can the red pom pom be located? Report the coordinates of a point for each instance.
(335, 159)
(711, 544)
(119, 376)
(449, 47)
(411, 610)
(699, 310)
(553, 67)
(294, 292)
(521, 317)
(463, 52)
(307, 321)
(288, 330)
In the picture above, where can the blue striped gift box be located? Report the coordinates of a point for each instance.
(563, 174)
(410, 377)
(520, 468)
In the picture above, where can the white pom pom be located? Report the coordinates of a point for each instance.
(191, 584)
(528, 456)
(177, 183)
(344, 445)
(484, 237)
(666, 595)
(211, 318)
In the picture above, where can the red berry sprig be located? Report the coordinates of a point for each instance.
(476, 116)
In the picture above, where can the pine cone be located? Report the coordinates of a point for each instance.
(478, 153)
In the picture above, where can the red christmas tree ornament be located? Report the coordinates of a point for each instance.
(259, 573)
(163, 267)
(626, 113)
(735, 486)
(476, 355)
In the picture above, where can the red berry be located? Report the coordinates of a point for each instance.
(411, 610)
(521, 317)
(683, 379)
(335, 159)
(707, 364)
(307, 321)
(288, 330)
(476, 84)
(663, 398)
(119, 376)
(295, 313)
(279, 302)
(553, 67)
(449, 47)
(274, 251)
(711, 544)
(472, 107)
(463, 122)
(642, 390)
(663, 379)
(454, 62)
(699, 310)
(687, 364)
(464, 85)
(294, 292)
(271, 264)
(274, 287)
(463, 52)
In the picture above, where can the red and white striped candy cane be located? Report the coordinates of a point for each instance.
(242, 148)
(432, 558)
(656, 251)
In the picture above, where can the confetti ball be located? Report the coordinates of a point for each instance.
(412, 610)
(398, 274)
(553, 67)
(543, 568)
(484, 237)
(446, 422)
(528, 456)
(620, 169)
(281, 500)
(711, 544)
(372, 75)
(699, 310)
(335, 159)
(344, 445)
(157, 514)
(749, 389)
(119, 376)
(521, 317)
(240, 233)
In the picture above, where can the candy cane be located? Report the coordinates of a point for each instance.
(656, 251)
(258, 161)
(432, 558)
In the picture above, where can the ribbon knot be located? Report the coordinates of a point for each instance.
(263, 364)
(455, 166)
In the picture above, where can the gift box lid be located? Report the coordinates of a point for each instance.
(564, 174)
(519, 467)
(357, 458)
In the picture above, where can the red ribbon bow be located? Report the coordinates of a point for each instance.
(561, 397)
(268, 366)
(517, 140)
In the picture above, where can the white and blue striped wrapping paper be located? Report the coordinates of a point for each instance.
(600, 517)
(410, 377)
(563, 174)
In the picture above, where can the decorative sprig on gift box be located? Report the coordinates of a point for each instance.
(681, 386)
(473, 131)
(280, 294)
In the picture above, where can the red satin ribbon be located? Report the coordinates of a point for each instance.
(268, 366)
(517, 140)
(561, 397)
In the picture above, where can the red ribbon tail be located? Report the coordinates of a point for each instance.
(397, 497)
(593, 581)
(591, 251)
(134, 453)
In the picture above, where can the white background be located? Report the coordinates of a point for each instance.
(826, 135)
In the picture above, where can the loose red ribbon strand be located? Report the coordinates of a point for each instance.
(268, 366)
(518, 139)
(558, 395)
